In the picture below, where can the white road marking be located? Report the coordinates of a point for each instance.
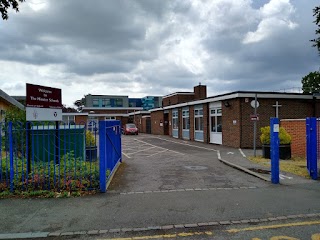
(230, 153)
(158, 146)
(186, 144)
(242, 153)
(126, 155)
(141, 150)
(219, 155)
(284, 176)
(158, 152)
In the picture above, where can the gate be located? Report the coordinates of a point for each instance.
(313, 146)
(110, 151)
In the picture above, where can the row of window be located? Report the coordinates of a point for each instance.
(107, 102)
(215, 118)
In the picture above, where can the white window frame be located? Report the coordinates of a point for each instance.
(198, 113)
(69, 119)
(185, 119)
(175, 122)
(215, 112)
(110, 118)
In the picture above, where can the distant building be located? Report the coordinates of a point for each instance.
(6, 102)
(150, 102)
(135, 102)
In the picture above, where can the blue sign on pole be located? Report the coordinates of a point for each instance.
(274, 148)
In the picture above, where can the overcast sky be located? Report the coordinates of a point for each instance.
(156, 47)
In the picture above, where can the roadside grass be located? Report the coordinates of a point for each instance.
(295, 165)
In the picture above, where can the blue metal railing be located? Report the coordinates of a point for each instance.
(47, 156)
(313, 141)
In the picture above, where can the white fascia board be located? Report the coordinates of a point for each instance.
(138, 112)
(109, 115)
(182, 93)
(147, 116)
(112, 108)
(276, 96)
(75, 114)
(156, 109)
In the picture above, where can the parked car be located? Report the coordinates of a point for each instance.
(130, 128)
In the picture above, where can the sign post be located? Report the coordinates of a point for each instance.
(274, 148)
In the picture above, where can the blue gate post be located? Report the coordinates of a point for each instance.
(274, 141)
(312, 147)
(11, 157)
(102, 156)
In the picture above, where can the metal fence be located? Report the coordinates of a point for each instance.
(48, 156)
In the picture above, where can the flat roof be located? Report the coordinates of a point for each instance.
(178, 93)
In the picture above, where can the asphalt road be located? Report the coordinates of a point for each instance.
(163, 183)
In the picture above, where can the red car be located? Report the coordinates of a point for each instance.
(130, 128)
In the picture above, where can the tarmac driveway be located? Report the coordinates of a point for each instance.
(152, 163)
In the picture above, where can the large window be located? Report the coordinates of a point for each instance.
(95, 102)
(185, 120)
(175, 119)
(215, 115)
(198, 120)
(118, 102)
(106, 102)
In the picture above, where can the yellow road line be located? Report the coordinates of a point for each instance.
(295, 224)
(174, 235)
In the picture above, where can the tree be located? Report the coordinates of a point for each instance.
(311, 82)
(316, 41)
(6, 4)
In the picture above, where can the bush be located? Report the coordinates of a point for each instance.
(284, 137)
(90, 140)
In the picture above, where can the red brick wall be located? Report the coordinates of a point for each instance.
(231, 123)
(156, 117)
(291, 109)
(170, 122)
(81, 119)
(206, 120)
(175, 99)
(297, 129)
(200, 92)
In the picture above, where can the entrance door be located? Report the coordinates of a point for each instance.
(215, 123)
(148, 125)
(166, 124)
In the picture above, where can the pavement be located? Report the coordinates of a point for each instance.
(167, 184)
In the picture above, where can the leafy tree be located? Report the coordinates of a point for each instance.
(6, 4)
(14, 114)
(316, 14)
(311, 83)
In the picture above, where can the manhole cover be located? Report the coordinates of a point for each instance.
(195, 167)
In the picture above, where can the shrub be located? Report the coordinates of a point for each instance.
(284, 137)
(90, 140)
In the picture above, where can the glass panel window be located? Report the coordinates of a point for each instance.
(198, 119)
(216, 120)
(118, 102)
(106, 102)
(175, 124)
(185, 120)
(95, 102)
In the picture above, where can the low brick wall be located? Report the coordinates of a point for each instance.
(297, 129)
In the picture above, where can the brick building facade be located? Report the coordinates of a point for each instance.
(227, 119)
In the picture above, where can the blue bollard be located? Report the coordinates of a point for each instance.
(274, 148)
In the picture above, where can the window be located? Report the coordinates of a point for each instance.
(106, 102)
(110, 118)
(118, 102)
(68, 119)
(175, 119)
(216, 120)
(185, 120)
(95, 102)
(198, 119)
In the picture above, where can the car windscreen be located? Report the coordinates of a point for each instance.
(131, 126)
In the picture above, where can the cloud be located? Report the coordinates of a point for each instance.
(143, 47)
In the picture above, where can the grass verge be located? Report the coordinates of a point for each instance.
(297, 166)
